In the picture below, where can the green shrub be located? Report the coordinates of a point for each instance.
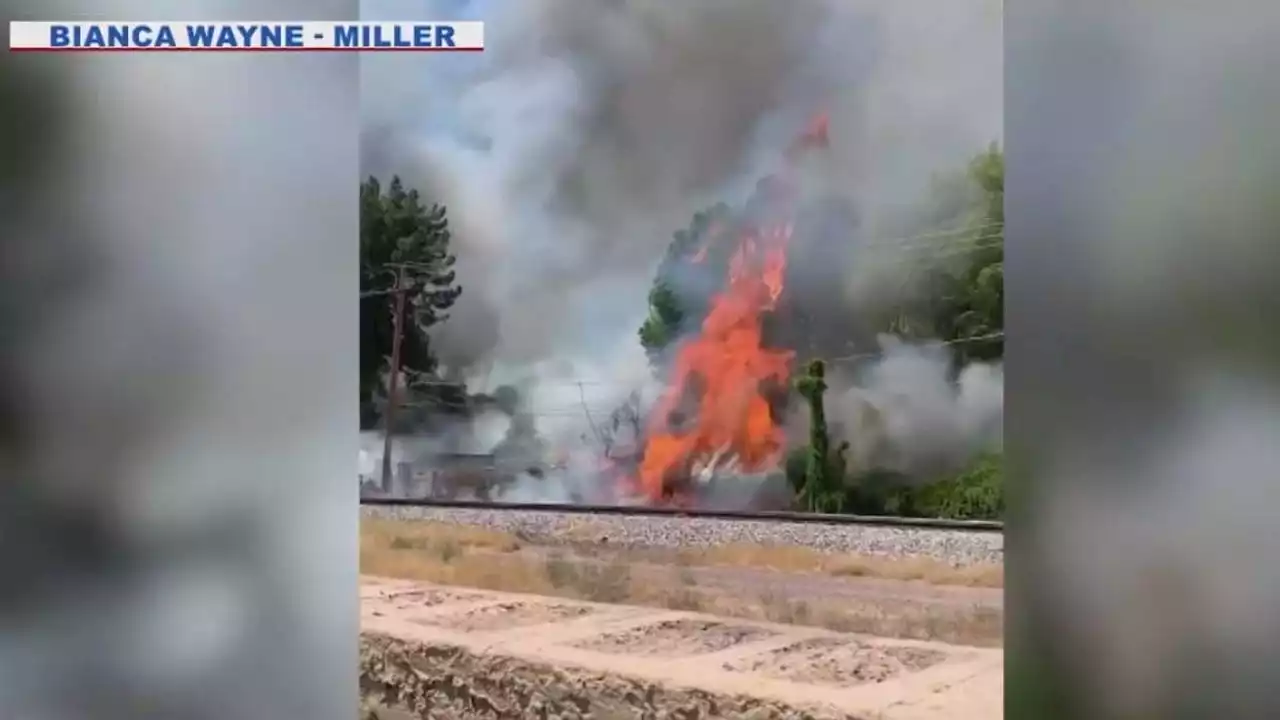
(975, 494)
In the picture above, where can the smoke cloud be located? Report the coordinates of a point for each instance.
(905, 413)
(585, 135)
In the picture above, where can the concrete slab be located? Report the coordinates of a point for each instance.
(432, 652)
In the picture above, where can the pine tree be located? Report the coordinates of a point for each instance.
(398, 232)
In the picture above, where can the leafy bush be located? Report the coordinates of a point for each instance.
(975, 494)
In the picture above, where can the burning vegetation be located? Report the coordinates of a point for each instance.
(716, 408)
(720, 410)
(566, 166)
(744, 297)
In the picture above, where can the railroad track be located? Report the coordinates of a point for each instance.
(973, 526)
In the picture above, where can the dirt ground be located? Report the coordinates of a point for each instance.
(900, 598)
(436, 652)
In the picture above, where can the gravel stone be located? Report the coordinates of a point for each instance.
(957, 547)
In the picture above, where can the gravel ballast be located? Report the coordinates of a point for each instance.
(957, 547)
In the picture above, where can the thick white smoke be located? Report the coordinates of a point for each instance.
(573, 406)
(586, 134)
(906, 414)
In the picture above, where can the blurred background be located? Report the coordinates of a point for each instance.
(1141, 382)
(177, 520)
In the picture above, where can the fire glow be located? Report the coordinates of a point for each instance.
(715, 406)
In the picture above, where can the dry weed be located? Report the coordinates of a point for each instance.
(682, 594)
(405, 534)
(458, 555)
(920, 569)
(593, 581)
(806, 560)
(776, 607)
(586, 539)
(964, 626)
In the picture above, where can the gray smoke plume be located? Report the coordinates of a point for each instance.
(587, 133)
(904, 412)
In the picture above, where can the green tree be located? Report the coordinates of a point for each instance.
(955, 291)
(662, 326)
(968, 307)
(977, 493)
(958, 298)
(978, 310)
(681, 286)
(823, 488)
(400, 234)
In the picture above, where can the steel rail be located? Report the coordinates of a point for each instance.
(646, 511)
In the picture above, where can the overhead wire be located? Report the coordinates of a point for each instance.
(986, 236)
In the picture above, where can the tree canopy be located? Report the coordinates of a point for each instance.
(685, 279)
(952, 291)
(401, 236)
(955, 286)
(966, 305)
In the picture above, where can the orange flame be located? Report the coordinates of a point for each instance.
(714, 404)
(726, 367)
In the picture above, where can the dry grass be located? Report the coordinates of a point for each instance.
(446, 537)
(800, 559)
(589, 538)
(425, 535)
(444, 553)
(473, 557)
(919, 568)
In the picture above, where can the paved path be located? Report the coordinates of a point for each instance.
(455, 652)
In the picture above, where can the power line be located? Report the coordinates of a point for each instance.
(585, 411)
(931, 246)
(991, 229)
(984, 240)
(471, 404)
(577, 410)
(398, 269)
(943, 343)
(984, 232)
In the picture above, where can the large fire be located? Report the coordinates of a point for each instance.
(715, 407)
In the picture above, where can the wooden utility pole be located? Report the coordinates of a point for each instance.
(393, 383)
